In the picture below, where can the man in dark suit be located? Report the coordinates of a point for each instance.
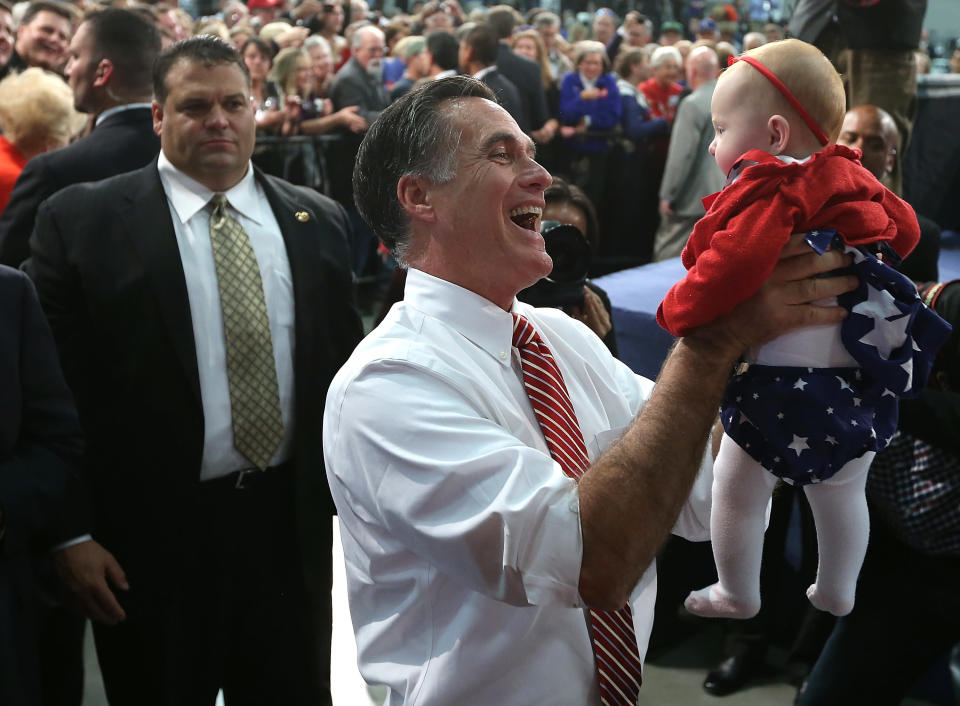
(201, 309)
(521, 71)
(478, 58)
(359, 82)
(111, 56)
(40, 446)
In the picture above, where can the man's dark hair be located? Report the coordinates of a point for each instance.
(130, 41)
(444, 48)
(205, 49)
(58, 8)
(414, 136)
(503, 20)
(483, 43)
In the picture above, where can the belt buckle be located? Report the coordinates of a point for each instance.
(241, 476)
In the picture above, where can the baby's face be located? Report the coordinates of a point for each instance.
(739, 118)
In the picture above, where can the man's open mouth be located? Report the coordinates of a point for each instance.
(526, 216)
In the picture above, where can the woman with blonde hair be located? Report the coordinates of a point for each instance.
(36, 116)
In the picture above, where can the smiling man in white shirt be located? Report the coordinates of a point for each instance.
(477, 566)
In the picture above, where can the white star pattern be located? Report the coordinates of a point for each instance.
(853, 422)
(856, 401)
(779, 415)
(844, 385)
(756, 396)
(908, 368)
(800, 384)
(799, 444)
(830, 440)
(888, 391)
(829, 410)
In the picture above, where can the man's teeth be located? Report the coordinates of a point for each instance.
(526, 216)
(524, 210)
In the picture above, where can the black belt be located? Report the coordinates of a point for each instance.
(247, 478)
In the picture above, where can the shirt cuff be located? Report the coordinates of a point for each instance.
(69, 543)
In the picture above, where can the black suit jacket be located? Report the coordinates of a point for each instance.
(107, 268)
(506, 93)
(525, 75)
(123, 142)
(40, 446)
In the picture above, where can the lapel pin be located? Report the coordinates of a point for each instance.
(302, 216)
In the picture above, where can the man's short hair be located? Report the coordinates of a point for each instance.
(483, 43)
(503, 19)
(444, 48)
(546, 19)
(207, 50)
(129, 41)
(58, 8)
(663, 54)
(414, 136)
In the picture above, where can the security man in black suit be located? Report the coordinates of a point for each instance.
(478, 58)
(111, 57)
(40, 447)
(201, 309)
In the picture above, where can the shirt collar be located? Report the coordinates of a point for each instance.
(189, 196)
(118, 109)
(588, 83)
(444, 74)
(484, 71)
(477, 319)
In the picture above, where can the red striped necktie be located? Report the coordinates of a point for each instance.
(614, 641)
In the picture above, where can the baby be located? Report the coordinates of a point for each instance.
(814, 406)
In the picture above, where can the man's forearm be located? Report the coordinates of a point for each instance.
(630, 499)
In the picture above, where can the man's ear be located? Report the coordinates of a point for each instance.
(413, 193)
(103, 73)
(157, 111)
(778, 128)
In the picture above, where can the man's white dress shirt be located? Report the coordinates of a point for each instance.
(460, 533)
(188, 201)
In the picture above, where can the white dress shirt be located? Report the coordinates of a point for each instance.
(461, 535)
(188, 201)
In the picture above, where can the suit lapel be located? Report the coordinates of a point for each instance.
(147, 222)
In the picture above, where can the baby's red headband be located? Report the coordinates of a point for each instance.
(779, 85)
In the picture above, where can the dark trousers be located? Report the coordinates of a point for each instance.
(234, 616)
(904, 621)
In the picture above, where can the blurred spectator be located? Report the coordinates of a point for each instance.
(567, 203)
(923, 62)
(111, 60)
(773, 32)
(264, 93)
(605, 23)
(707, 30)
(263, 12)
(752, 40)
(331, 24)
(40, 447)
(662, 90)
(239, 34)
(522, 72)
(955, 61)
(412, 51)
(548, 25)
(670, 33)
(589, 102)
(724, 51)
(36, 112)
(690, 172)
(529, 43)
(632, 69)
(235, 12)
(214, 28)
(478, 58)
(872, 131)
(442, 54)
(321, 58)
(6, 35)
(905, 620)
(42, 37)
(292, 72)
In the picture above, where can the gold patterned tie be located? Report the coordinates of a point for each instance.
(251, 370)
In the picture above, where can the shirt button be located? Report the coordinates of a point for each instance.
(503, 355)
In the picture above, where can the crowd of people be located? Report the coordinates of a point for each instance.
(165, 178)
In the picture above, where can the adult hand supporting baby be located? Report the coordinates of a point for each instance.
(785, 301)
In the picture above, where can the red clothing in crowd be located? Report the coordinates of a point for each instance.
(661, 101)
(11, 164)
(735, 246)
